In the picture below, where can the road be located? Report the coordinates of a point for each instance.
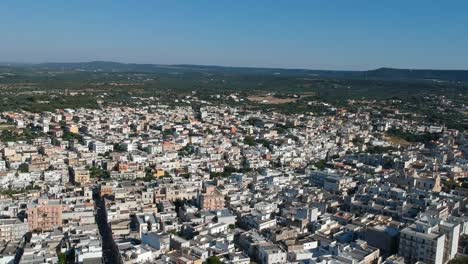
(110, 252)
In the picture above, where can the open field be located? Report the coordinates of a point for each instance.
(271, 100)
(4, 127)
(46, 87)
(397, 140)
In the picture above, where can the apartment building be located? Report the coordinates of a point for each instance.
(45, 214)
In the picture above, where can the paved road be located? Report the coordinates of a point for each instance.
(110, 251)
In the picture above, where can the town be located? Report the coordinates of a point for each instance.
(224, 184)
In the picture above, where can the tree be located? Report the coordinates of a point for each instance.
(62, 258)
(23, 167)
(118, 148)
(320, 165)
(451, 184)
(98, 172)
(71, 136)
(249, 141)
(213, 260)
(459, 260)
(412, 137)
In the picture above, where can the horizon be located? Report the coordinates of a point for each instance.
(301, 34)
(7, 63)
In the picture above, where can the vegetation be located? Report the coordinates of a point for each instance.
(98, 172)
(23, 167)
(379, 149)
(213, 260)
(62, 258)
(253, 142)
(459, 260)
(11, 192)
(26, 134)
(321, 164)
(186, 151)
(72, 136)
(249, 141)
(47, 87)
(411, 137)
(68, 257)
(224, 174)
(228, 170)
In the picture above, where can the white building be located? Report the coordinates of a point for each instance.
(12, 229)
(422, 241)
(98, 147)
(2, 165)
(271, 254)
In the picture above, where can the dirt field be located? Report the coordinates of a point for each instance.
(397, 140)
(6, 127)
(268, 99)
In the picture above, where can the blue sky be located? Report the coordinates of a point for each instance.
(328, 34)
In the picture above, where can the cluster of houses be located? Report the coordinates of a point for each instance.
(185, 185)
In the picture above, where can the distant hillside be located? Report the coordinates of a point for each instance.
(133, 67)
(378, 74)
(408, 74)
(105, 66)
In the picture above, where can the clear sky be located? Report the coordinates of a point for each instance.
(328, 34)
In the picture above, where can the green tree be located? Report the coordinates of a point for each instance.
(97, 172)
(459, 260)
(321, 164)
(62, 258)
(213, 260)
(23, 167)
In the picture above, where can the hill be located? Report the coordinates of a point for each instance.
(377, 74)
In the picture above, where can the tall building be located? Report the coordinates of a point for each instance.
(384, 238)
(2, 165)
(45, 214)
(421, 244)
(430, 240)
(12, 229)
(80, 175)
(452, 235)
(271, 254)
(98, 147)
(211, 199)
